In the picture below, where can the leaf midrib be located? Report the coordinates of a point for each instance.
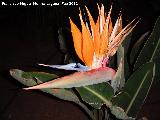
(135, 95)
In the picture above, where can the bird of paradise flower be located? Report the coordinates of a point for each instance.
(94, 46)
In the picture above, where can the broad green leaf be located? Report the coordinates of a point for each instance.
(150, 51)
(97, 95)
(42, 76)
(137, 87)
(137, 47)
(79, 79)
(29, 79)
(122, 100)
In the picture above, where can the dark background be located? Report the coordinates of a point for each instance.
(28, 35)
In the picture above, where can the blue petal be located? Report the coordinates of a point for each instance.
(71, 66)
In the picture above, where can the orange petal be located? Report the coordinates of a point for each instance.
(110, 27)
(104, 40)
(105, 35)
(87, 44)
(121, 36)
(114, 31)
(97, 38)
(120, 24)
(92, 23)
(102, 19)
(99, 28)
(109, 22)
(95, 32)
(77, 39)
(101, 42)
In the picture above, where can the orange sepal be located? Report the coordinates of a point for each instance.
(77, 39)
(97, 38)
(104, 40)
(87, 44)
(110, 27)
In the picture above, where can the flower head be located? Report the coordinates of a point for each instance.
(95, 45)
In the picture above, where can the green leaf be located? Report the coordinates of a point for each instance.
(97, 95)
(138, 86)
(42, 76)
(137, 47)
(122, 100)
(150, 51)
(29, 79)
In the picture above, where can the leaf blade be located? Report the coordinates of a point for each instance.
(97, 95)
(150, 51)
(138, 86)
